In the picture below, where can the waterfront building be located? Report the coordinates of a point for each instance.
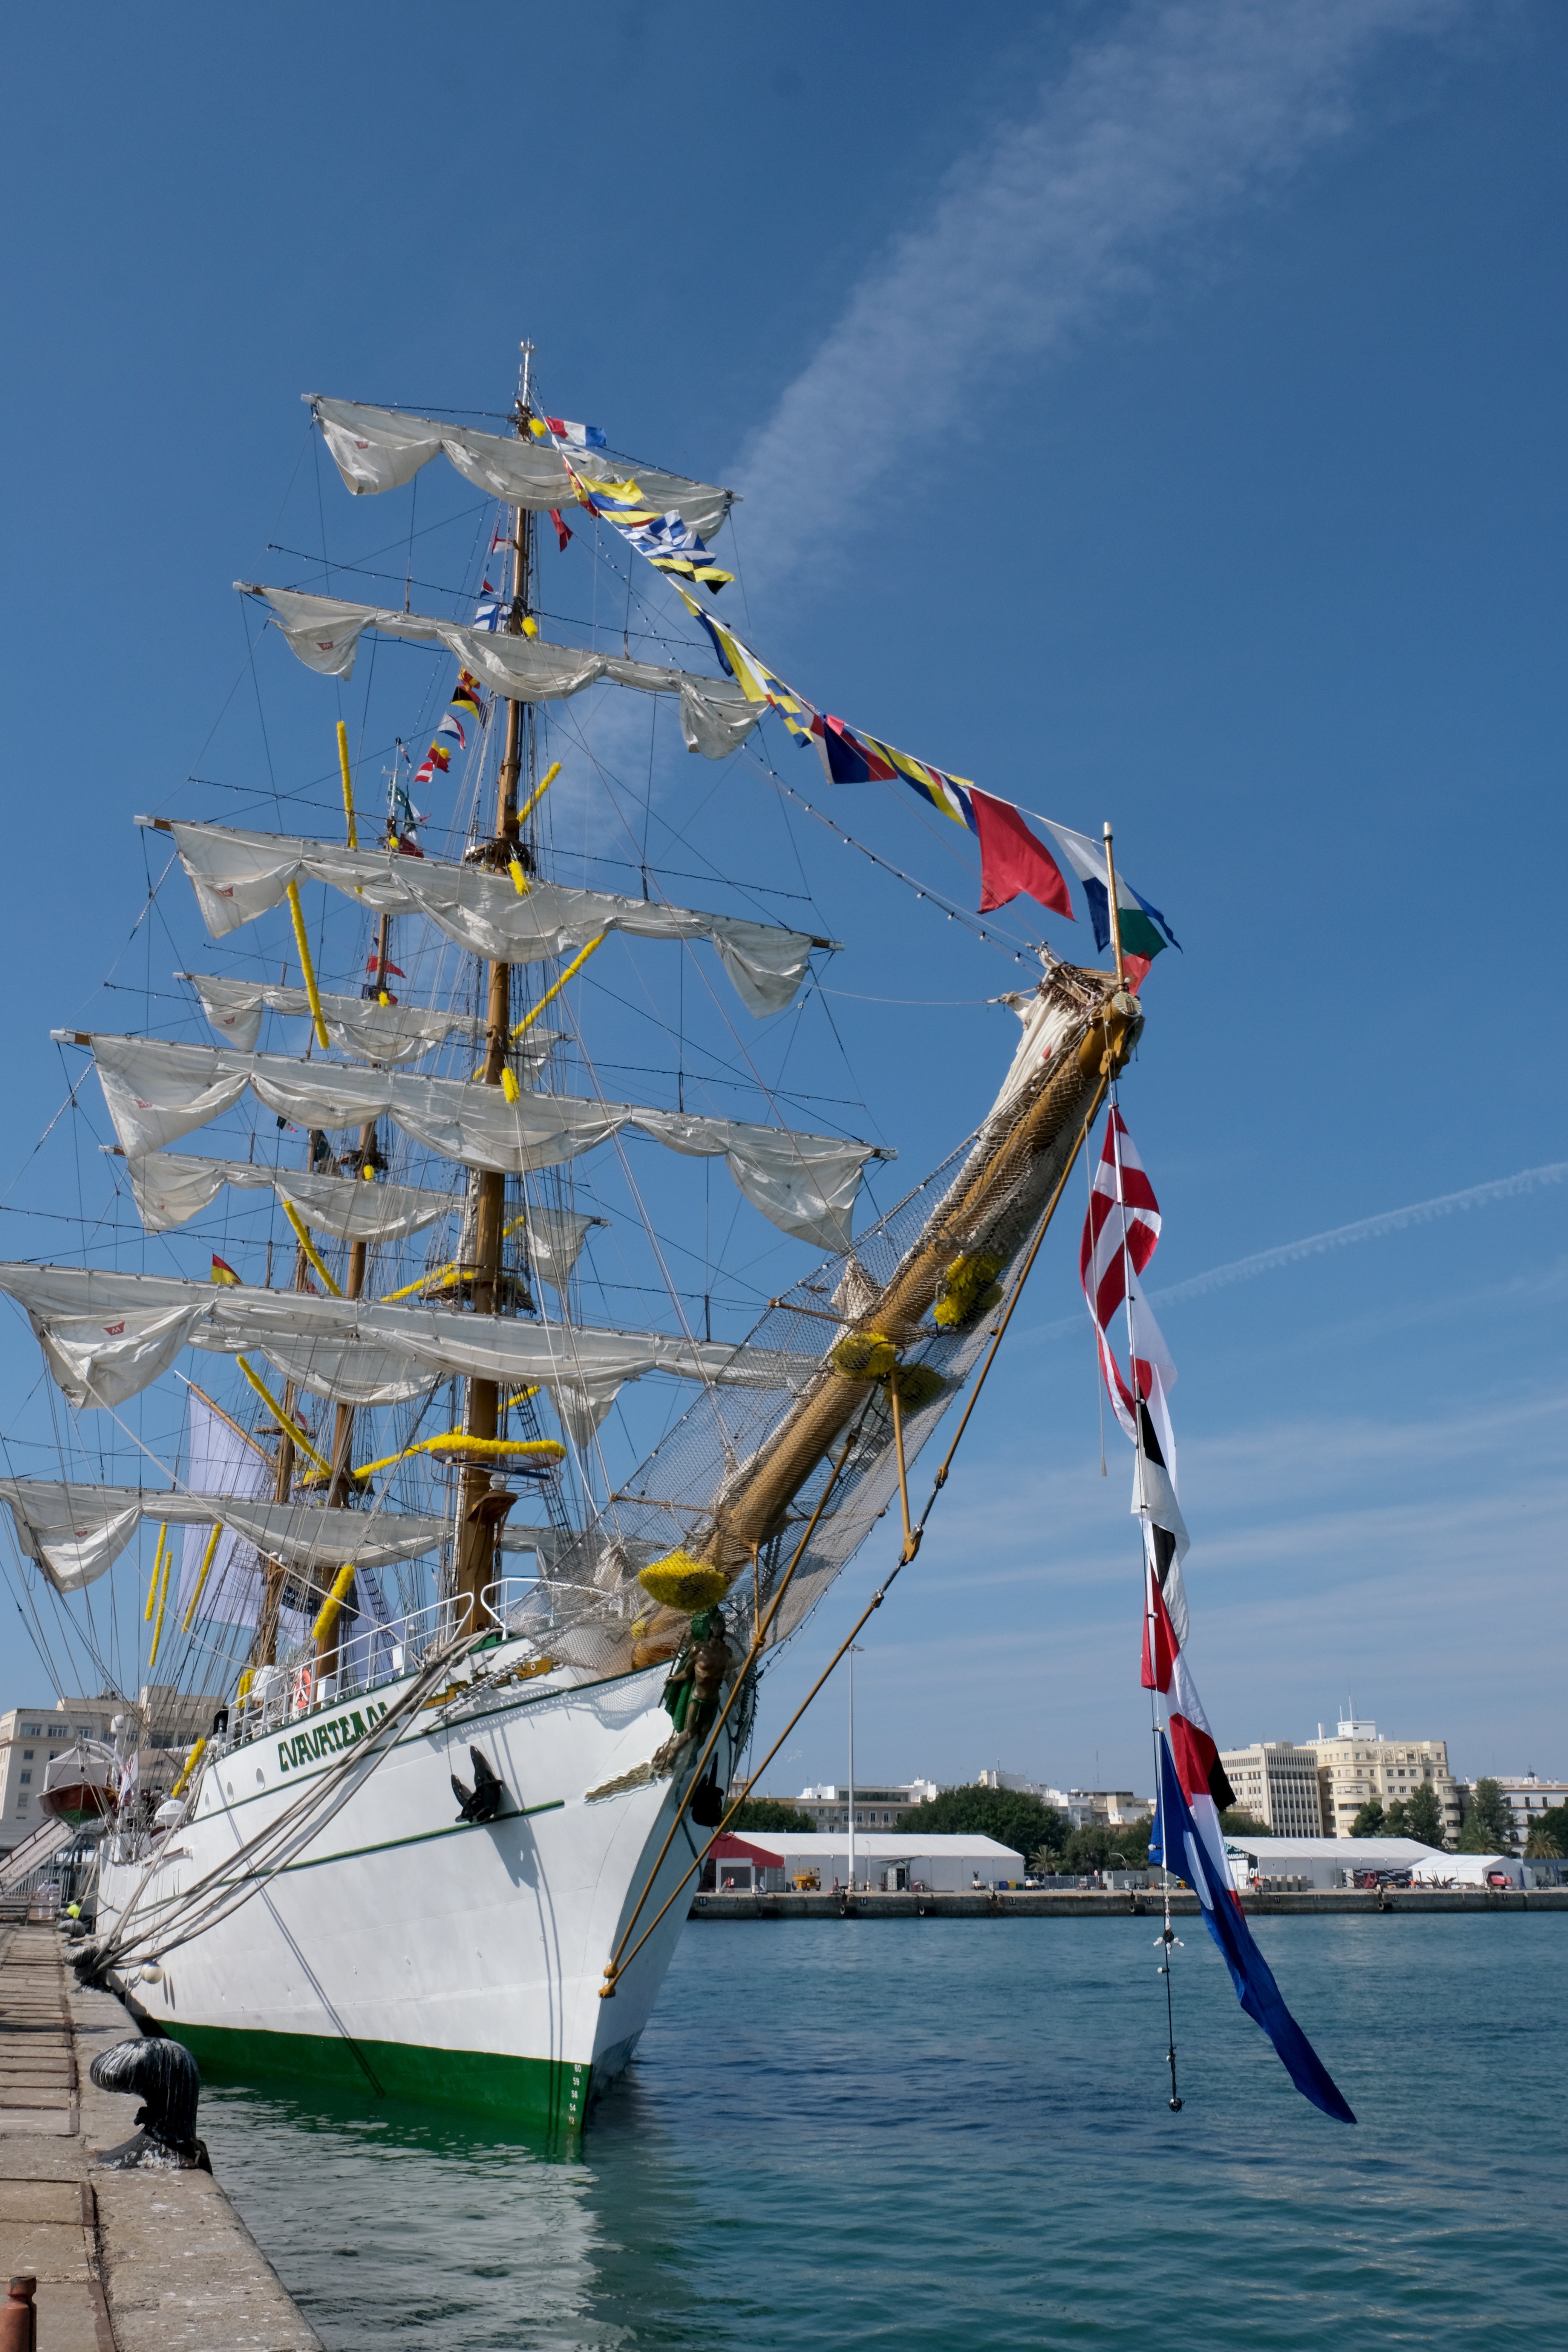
(1083, 1808)
(1279, 1783)
(30, 1737)
(1357, 1765)
(878, 1806)
(1104, 1808)
(175, 1720)
(1526, 1796)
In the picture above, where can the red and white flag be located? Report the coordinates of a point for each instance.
(1122, 1226)
(1120, 1236)
(1120, 1233)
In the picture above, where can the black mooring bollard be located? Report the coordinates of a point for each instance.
(166, 2077)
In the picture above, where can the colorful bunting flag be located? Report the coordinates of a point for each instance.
(223, 1271)
(453, 725)
(468, 695)
(753, 678)
(581, 437)
(562, 533)
(403, 819)
(672, 546)
(379, 970)
(1136, 917)
(1011, 859)
(619, 502)
(666, 539)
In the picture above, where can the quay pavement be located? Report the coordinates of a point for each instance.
(126, 2261)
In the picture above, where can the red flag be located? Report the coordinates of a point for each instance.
(562, 533)
(222, 1270)
(1011, 859)
(1160, 1642)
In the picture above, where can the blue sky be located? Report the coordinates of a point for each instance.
(1152, 413)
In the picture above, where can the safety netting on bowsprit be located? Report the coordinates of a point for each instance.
(763, 1492)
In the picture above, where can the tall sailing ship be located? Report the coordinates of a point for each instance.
(475, 1665)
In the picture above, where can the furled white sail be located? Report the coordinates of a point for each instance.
(105, 1335)
(381, 449)
(555, 1237)
(237, 875)
(156, 1092)
(77, 1532)
(170, 1187)
(323, 632)
(376, 1033)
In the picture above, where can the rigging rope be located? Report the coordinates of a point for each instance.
(621, 1959)
(221, 1893)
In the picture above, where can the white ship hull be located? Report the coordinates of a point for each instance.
(415, 1954)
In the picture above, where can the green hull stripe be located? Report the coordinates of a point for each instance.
(421, 1837)
(548, 2092)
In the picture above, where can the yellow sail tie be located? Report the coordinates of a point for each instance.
(519, 879)
(574, 966)
(306, 966)
(331, 1607)
(192, 1760)
(309, 1246)
(157, 1569)
(443, 1274)
(285, 1421)
(455, 1441)
(158, 1627)
(208, 1558)
(348, 784)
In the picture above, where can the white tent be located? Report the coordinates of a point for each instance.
(947, 1865)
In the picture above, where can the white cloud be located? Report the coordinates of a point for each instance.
(1152, 132)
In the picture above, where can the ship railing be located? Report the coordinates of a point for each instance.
(380, 1652)
(377, 1652)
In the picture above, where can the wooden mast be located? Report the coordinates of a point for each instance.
(478, 1520)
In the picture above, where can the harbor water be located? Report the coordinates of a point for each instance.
(950, 2133)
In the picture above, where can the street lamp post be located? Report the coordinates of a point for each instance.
(855, 1649)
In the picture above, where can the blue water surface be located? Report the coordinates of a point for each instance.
(955, 2133)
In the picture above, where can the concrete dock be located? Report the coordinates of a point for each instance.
(126, 2261)
(1091, 1903)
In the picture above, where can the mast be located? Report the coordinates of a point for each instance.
(478, 1519)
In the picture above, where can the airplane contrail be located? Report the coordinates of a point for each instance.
(1364, 1229)
(1169, 115)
